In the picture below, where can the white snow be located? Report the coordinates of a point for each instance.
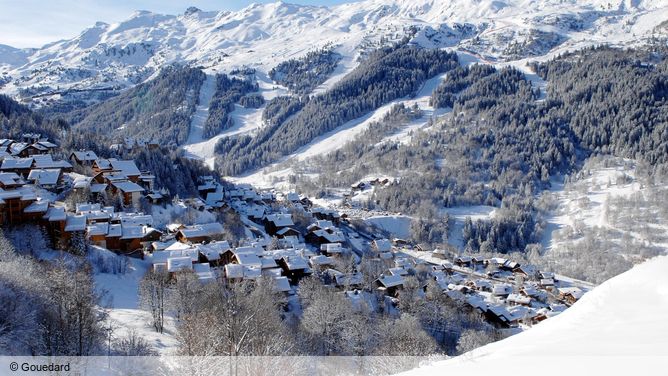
(618, 328)
(202, 110)
(458, 215)
(397, 225)
(125, 315)
(263, 35)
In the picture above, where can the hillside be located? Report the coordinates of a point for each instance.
(618, 328)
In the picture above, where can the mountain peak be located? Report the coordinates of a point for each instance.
(191, 10)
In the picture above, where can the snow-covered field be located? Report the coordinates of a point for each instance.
(608, 199)
(125, 314)
(618, 328)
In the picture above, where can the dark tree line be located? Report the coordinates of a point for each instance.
(304, 74)
(388, 74)
(229, 90)
(502, 145)
(158, 110)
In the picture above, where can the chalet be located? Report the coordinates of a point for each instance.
(482, 285)
(101, 165)
(441, 254)
(238, 272)
(210, 253)
(389, 284)
(350, 280)
(83, 158)
(381, 245)
(20, 166)
(241, 257)
(528, 271)
(499, 316)
(5, 143)
(518, 299)
(282, 284)
(320, 262)
(320, 237)
(130, 192)
(14, 202)
(55, 219)
(294, 267)
(287, 231)
(332, 249)
(203, 272)
(146, 180)
(47, 179)
(326, 214)
(173, 228)
(546, 282)
(24, 150)
(10, 180)
(570, 295)
(47, 162)
(463, 261)
(200, 233)
(179, 264)
(502, 289)
(275, 222)
(156, 198)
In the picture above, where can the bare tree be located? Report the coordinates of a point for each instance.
(153, 296)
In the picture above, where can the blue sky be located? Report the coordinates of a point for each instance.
(33, 23)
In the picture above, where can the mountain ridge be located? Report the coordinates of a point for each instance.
(263, 35)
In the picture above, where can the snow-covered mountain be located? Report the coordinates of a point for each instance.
(116, 56)
(618, 328)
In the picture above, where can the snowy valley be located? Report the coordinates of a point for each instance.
(395, 183)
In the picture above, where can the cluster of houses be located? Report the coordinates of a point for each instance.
(504, 292)
(287, 239)
(32, 178)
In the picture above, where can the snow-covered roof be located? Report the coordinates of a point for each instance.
(97, 188)
(281, 284)
(572, 291)
(136, 219)
(177, 246)
(280, 219)
(331, 247)
(177, 264)
(87, 155)
(518, 299)
(295, 262)
(136, 232)
(16, 163)
(54, 214)
(10, 179)
(100, 228)
(203, 272)
(203, 230)
(320, 260)
(46, 161)
(382, 245)
(334, 237)
(388, 280)
(115, 231)
(44, 176)
(40, 206)
(248, 259)
(75, 223)
(127, 186)
(127, 167)
(398, 271)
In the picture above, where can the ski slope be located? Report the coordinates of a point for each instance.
(618, 328)
(202, 110)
